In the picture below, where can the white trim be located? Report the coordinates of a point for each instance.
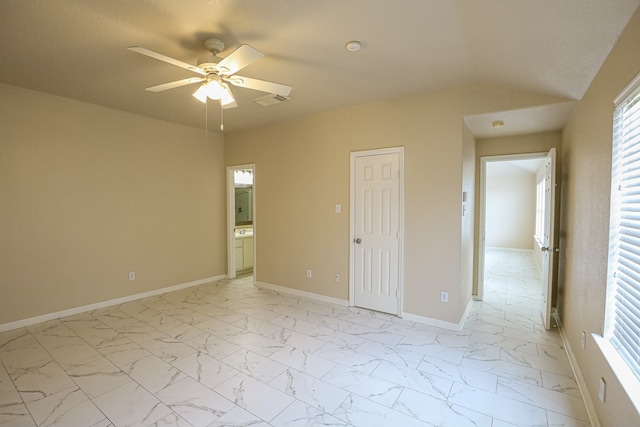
(628, 89)
(297, 292)
(352, 201)
(441, 323)
(623, 373)
(103, 304)
(231, 223)
(582, 385)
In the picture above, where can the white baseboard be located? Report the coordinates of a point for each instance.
(297, 292)
(408, 316)
(103, 304)
(582, 385)
(441, 323)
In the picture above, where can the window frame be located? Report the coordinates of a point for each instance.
(625, 365)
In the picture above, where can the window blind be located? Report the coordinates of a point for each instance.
(622, 326)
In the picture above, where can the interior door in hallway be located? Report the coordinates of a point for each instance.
(548, 249)
(376, 231)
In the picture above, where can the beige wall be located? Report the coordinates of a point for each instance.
(510, 206)
(519, 144)
(89, 194)
(586, 180)
(302, 171)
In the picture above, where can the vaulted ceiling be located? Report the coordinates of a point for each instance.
(78, 49)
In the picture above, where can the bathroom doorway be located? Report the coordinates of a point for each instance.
(241, 221)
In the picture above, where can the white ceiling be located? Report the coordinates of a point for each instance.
(77, 49)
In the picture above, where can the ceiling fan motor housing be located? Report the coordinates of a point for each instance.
(208, 63)
(213, 44)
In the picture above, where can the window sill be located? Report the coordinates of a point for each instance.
(628, 380)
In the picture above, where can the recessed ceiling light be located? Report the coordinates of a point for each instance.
(353, 46)
(497, 124)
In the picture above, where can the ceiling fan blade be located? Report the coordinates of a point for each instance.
(167, 59)
(261, 85)
(238, 59)
(177, 83)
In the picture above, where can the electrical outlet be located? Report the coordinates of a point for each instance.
(444, 296)
(308, 273)
(583, 339)
(602, 390)
(132, 275)
(336, 278)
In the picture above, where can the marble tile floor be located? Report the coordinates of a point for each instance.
(231, 354)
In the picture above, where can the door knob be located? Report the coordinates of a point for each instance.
(358, 240)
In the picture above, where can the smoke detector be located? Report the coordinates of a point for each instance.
(353, 46)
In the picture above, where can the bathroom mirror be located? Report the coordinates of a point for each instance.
(243, 183)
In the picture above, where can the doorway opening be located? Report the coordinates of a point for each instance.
(241, 230)
(512, 224)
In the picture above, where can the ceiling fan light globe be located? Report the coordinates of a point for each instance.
(215, 90)
(201, 94)
(227, 97)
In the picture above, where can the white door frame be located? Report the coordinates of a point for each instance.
(352, 219)
(483, 206)
(231, 219)
(549, 251)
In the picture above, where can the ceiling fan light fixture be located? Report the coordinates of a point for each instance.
(201, 93)
(226, 97)
(215, 90)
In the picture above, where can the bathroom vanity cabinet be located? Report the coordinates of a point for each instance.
(244, 249)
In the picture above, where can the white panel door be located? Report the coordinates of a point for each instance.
(548, 250)
(376, 232)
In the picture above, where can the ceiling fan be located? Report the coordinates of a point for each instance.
(215, 73)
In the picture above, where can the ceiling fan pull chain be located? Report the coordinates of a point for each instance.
(206, 117)
(221, 118)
